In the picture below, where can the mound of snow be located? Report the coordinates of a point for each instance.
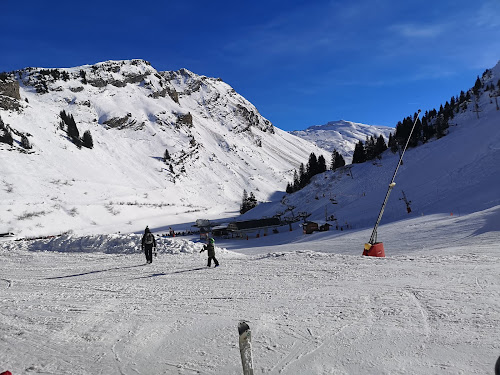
(105, 243)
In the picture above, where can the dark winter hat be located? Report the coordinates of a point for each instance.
(147, 229)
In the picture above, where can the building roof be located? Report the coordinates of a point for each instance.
(253, 224)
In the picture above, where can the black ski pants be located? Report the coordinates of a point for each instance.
(210, 261)
(148, 251)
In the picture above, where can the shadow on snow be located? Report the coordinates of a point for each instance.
(93, 272)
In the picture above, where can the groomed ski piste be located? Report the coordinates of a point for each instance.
(89, 304)
(315, 306)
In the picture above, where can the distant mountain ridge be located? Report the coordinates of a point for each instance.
(342, 135)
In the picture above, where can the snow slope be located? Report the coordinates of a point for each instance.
(342, 135)
(89, 304)
(218, 144)
(454, 175)
(315, 306)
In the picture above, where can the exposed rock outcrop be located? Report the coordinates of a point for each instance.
(9, 94)
(10, 88)
(186, 119)
(121, 122)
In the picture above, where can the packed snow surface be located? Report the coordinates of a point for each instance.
(87, 305)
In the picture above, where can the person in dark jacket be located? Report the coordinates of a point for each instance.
(147, 245)
(211, 252)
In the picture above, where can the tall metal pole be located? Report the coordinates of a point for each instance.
(373, 238)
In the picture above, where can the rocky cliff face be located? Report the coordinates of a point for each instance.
(217, 100)
(9, 94)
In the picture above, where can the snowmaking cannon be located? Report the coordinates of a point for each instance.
(373, 247)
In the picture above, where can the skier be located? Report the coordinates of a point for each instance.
(497, 367)
(211, 252)
(148, 243)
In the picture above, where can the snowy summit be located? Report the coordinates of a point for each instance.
(342, 135)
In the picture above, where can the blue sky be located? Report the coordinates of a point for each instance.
(301, 63)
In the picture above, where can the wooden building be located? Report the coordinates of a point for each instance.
(309, 227)
(313, 226)
(242, 228)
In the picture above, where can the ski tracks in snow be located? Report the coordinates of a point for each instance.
(310, 313)
(9, 282)
(417, 298)
(303, 344)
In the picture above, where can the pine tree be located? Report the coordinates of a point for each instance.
(462, 97)
(392, 143)
(477, 86)
(252, 201)
(87, 140)
(332, 162)
(416, 136)
(370, 148)
(248, 202)
(441, 126)
(403, 130)
(71, 128)
(380, 146)
(321, 164)
(428, 131)
(302, 176)
(452, 108)
(339, 160)
(312, 166)
(244, 202)
(395, 146)
(359, 155)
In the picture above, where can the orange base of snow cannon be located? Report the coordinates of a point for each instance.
(374, 250)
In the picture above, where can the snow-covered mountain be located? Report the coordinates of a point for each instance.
(217, 142)
(454, 175)
(342, 135)
(89, 304)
